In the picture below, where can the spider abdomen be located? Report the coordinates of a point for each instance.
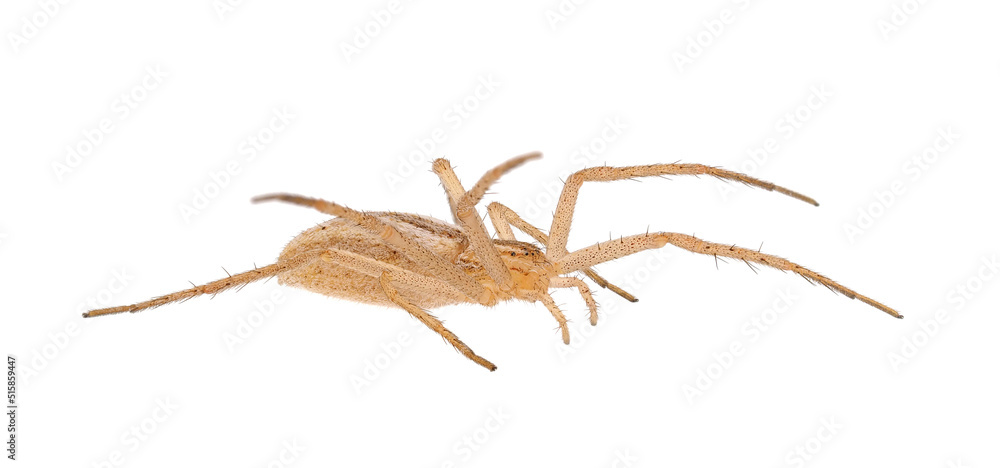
(335, 280)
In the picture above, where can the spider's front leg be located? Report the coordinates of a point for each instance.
(503, 218)
(563, 217)
(614, 249)
(463, 209)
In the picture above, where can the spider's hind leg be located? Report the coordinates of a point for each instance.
(239, 279)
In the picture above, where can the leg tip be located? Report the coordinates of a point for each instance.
(483, 362)
(531, 155)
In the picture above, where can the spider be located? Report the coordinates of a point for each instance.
(418, 263)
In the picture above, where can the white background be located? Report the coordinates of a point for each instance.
(626, 393)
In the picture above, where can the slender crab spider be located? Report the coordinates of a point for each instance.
(417, 262)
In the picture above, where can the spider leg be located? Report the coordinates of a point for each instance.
(441, 268)
(550, 304)
(239, 279)
(454, 189)
(452, 186)
(476, 193)
(571, 282)
(464, 211)
(614, 249)
(503, 218)
(389, 275)
(416, 282)
(559, 233)
(386, 279)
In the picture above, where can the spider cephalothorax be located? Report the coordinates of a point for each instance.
(417, 262)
